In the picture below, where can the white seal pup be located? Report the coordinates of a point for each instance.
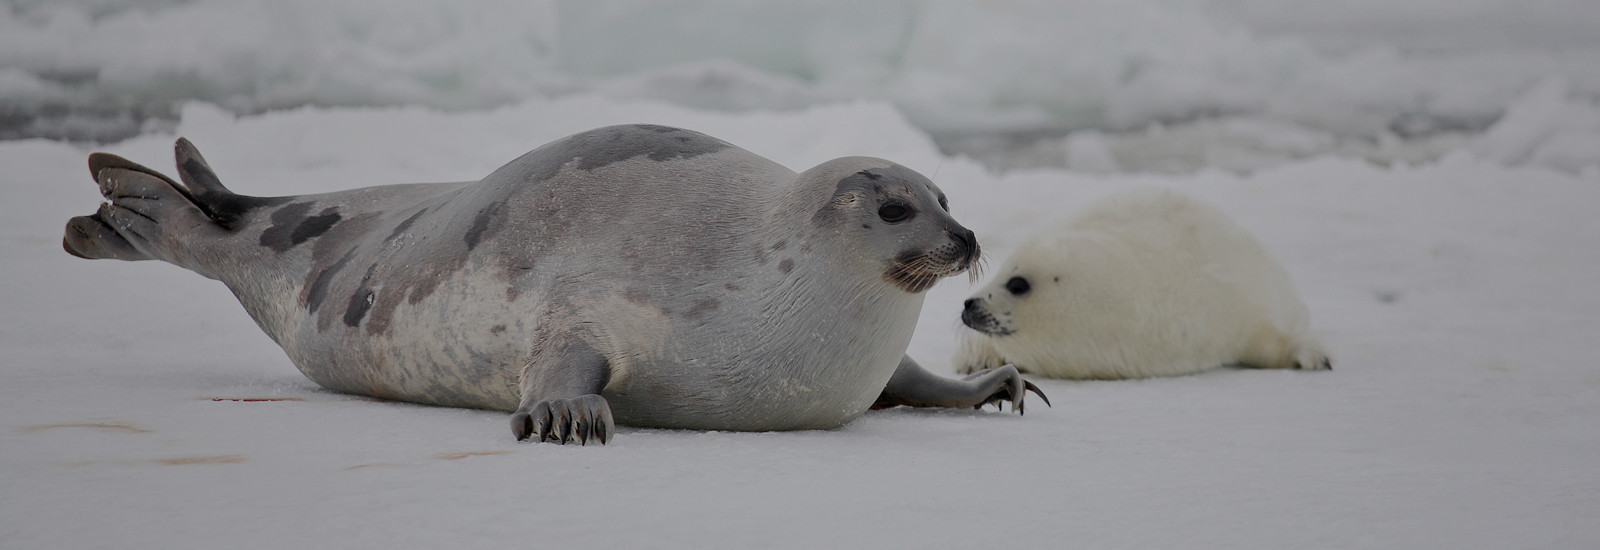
(1142, 283)
(643, 275)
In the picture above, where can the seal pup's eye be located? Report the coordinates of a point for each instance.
(894, 213)
(1018, 286)
(944, 203)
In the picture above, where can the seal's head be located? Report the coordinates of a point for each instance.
(895, 218)
(1049, 282)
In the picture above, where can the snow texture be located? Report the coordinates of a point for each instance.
(142, 408)
(1169, 85)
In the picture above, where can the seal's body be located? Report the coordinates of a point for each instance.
(1140, 284)
(651, 273)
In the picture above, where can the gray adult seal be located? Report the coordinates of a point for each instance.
(642, 275)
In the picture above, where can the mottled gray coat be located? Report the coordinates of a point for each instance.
(663, 276)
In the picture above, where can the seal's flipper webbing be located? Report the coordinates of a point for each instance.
(205, 189)
(91, 238)
(141, 210)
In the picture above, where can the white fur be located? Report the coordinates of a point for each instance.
(1140, 284)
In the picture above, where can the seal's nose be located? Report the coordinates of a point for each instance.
(972, 315)
(964, 236)
(968, 242)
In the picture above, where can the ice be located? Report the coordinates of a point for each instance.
(1384, 81)
(1544, 126)
(1457, 296)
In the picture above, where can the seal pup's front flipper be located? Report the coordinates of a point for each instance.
(914, 386)
(561, 399)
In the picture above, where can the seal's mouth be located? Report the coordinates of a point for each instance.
(917, 270)
(978, 318)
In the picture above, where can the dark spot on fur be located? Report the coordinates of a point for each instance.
(360, 301)
(780, 245)
(480, 224)
(786, 265)
(873, 184)
(866, 226)
(280, 235)
(404, 225)
(319, 286)
(314, 226)
(497, 329)
(602, 147)
(701, 308)
(731, 287)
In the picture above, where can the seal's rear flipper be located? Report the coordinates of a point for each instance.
(91, 238)
(146, 214)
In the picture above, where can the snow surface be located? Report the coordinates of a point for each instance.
(1164, 85)
(1457, 296)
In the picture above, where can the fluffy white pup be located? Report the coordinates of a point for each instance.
(1143, 283)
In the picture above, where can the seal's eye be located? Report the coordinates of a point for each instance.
(1018, 286)
(894, 213)
(944, 204)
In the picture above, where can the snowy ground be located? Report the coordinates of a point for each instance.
(1461, 413)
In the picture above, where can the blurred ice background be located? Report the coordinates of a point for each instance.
(1168, 86)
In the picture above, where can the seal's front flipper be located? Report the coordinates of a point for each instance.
(914, 386)
(577, 419)
(561, 399)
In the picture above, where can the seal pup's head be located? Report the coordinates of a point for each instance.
(1050, 281)
(894, 219)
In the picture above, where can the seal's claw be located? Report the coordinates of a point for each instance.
(522, 425)
(1035, 389)
(1006, 385)
(575, 419)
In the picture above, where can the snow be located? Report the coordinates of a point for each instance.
(1390, 81)
(1457, 297)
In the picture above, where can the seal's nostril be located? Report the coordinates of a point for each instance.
(970, 303)
(964, 237)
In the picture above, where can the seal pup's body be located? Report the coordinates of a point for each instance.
(1140, 284)
(651, 274)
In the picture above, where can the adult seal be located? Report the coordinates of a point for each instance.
(642, 275)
